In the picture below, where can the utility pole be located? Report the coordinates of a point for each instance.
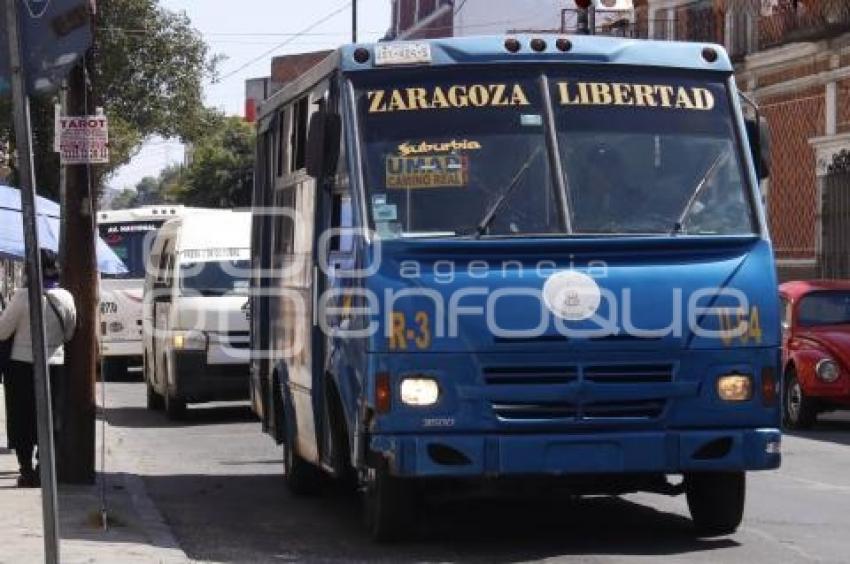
(26, 169)
(354, 21)
(80, 278)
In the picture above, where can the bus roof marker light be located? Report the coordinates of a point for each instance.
(512, 44)
(563, 44)
(361, 55)
(538, 44)
(709, 54)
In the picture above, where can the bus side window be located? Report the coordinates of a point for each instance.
(342, 211)
(298, 134)
(284, 226)
(279, 145)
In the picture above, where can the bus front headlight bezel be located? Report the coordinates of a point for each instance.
(735, 387)
(419, 391)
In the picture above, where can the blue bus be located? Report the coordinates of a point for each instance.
(532, 259)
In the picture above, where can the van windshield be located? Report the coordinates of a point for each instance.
(215, 278)
(451, 153)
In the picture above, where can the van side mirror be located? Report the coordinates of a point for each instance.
(323, 137)
(758, 135)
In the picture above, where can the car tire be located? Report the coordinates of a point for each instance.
(302, 478)
(798, 411)
(716, 501)
(114, 369)
(389, 506)
(154, 400)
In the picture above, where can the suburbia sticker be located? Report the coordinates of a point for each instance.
(625, 94)
(448, 97)
(427, 172)
(424, 147)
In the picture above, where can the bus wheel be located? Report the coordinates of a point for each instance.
(302, 478)
(798, 411)
(154, 400)
(716, 501)
(389, 506)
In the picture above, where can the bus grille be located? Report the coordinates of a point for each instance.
(579, 393)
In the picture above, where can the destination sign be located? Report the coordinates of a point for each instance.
(461, 96)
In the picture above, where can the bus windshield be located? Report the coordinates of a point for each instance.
(131, 242)
(643, 152)
(215, 277)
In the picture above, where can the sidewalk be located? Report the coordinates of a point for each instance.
(138, 533)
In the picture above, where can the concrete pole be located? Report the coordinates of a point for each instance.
(26, 169)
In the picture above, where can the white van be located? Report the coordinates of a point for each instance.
(195, 311)
(129, 233)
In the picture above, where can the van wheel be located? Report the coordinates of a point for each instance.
(114, 369)
(798, 411)
(302, 478)
(716, 501)
(154, 400)
(175, 408)
(389, 506)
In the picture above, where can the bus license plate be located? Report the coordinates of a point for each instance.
(402, 54)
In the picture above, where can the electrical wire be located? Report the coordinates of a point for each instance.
(307, 29)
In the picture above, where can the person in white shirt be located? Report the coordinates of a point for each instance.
(60, 320)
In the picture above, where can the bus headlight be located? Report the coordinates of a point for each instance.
(735, 387)
(827, 370)
(419, 391)
(189, 340)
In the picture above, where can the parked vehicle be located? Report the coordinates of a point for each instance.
(194, 311)
(815, 349)
(514, 259)
(130, 234)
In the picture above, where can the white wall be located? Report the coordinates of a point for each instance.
(495, 17)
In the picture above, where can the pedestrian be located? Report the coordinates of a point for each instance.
(60, 321)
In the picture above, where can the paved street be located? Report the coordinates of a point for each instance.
(216, 480)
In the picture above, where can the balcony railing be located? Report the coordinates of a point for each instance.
(787, 21)
(744, 26)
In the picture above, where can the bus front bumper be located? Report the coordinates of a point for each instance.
(669, 452)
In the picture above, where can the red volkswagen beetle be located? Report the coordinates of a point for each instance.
(815, 349)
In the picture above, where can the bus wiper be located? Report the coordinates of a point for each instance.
(497, 205)
(698, 190)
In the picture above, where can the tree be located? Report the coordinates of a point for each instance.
(147, 68)
(222, 169)
(152, 190)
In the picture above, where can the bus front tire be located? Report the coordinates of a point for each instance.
(302, 478)
(389, 506)
(716, 501)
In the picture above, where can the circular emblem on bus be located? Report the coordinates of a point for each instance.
(571, 295)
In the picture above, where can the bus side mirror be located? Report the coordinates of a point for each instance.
(758, 135)
(323, 138)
